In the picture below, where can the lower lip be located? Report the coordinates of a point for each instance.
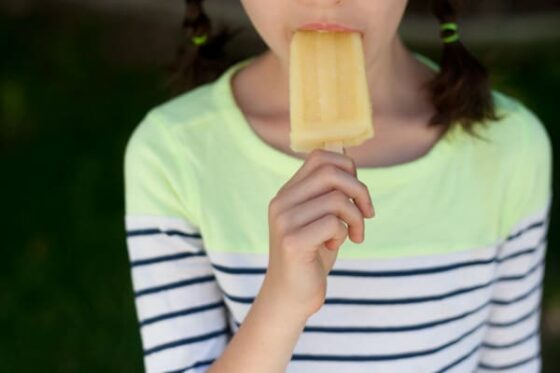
(326, 27)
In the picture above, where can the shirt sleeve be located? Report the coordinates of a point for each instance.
(181, 314)
(512, 341)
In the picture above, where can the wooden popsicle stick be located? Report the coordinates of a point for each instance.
(335, 146)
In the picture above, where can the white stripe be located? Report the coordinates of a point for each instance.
(337, 315)
(177, 299)
(150, 246)
(520, 264)
(183, 356)
(534, 366)
(511, 312)
(187, 326)
(506, 290)
(513, 333)
(260, 260)
(428, 363)
(164, 273)
(506, 356)
(387, 343)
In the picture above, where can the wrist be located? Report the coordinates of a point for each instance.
(276, 303)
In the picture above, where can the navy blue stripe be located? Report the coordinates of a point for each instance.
(523, 252)
(355, 301)
(186, 341)
(521, 276)
(509, 366)
(195, 365)
(405, 355)
(240, 270)
(524, 230)
(153, 231)
(411, 300)
(165, 258)
(311, 357)
(502, 302)
(392, 329)
(515, 321)
(482, 365)
(174, 285)
(511, 344)
(188, 311)
(459, 360)
(389, 273)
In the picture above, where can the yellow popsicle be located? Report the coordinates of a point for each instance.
(329, 98)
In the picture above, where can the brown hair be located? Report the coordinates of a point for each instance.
(196, 65)
(460, 92)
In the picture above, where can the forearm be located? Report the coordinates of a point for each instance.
(265, 340)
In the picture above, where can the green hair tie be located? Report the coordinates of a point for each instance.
(199, 40)
(452, 26)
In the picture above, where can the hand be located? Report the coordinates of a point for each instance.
(309, 219)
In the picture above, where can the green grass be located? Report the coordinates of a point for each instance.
(66, 112)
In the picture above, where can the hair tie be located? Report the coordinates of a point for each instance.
(450, 26)
(199, 40)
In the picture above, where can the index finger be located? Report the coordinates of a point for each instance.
(317, 158)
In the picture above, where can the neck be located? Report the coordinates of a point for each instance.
(394, 79)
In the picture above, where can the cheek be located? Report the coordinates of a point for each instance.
(383, 23)
(270, 21)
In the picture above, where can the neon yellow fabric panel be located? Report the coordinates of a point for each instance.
(195, 157)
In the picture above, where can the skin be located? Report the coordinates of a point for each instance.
(401, 108)
(323, 203)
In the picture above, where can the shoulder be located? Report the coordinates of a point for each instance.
(517, 137)
(178, 123)
(186, 112)
(526, 149)
(519, 128)
(161, 154)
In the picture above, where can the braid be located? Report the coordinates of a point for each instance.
(461, 90)
(195, 65)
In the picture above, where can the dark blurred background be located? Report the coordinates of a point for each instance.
(77, 76)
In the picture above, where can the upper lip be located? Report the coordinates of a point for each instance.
(327, 27)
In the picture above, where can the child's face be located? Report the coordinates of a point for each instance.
(276, 20)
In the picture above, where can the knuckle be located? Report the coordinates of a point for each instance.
(317, 157)
(352, 163)
(273, 206)
(342, 230)
(341, 200)
(283, 221)
(364, 187)
(332, 222)
(317, 154)
(329, 171)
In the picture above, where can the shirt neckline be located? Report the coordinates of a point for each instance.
(254, 147)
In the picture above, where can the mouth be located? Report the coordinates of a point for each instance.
(332, 27)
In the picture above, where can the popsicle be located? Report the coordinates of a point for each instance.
(329, 98)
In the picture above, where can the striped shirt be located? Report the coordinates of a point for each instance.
(448, 277)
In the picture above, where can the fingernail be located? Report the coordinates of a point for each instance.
(371, 211)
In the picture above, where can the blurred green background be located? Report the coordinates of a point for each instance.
(74, 82)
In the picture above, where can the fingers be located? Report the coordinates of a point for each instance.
(316, 233)
(324, 179)
(334, 202)
(319, 157)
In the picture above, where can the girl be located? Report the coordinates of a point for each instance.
(232, 236)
